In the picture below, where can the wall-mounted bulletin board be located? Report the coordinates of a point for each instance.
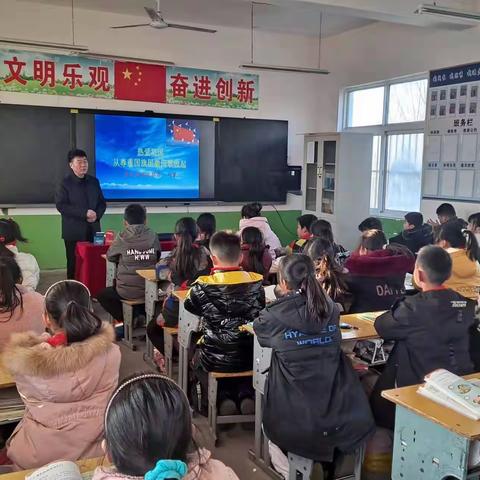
(452, 146)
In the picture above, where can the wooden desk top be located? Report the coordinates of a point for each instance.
(449, 419)
(149, 275)
(85, 466)
(6, 380)
(181, 294)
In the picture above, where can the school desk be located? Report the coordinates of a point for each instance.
(85, 467)
(6, 380)
(90, 268)
(187, 325)
(261, 362)
(431, 442)
(111, 271)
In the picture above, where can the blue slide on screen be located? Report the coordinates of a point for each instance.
(147, 158)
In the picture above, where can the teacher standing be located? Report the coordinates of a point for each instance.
(80, 201)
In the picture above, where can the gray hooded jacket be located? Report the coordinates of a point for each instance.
(136, 248)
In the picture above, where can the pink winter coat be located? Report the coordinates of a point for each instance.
(269, 236)
(200, 467)
(28, 318)
(65, 390)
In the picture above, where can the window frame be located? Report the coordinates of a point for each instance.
(383, 130)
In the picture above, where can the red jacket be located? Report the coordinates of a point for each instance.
(246, 263)
(377, 279)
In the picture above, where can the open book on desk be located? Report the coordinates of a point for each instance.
(60, 471)
(453, 392)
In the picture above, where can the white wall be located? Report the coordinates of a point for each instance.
(381, 51)
(292, 97)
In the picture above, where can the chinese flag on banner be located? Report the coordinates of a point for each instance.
(140, 81)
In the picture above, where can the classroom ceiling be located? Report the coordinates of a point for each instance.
(290, 16)
(297, 18)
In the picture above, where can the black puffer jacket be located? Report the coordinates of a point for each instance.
(313, 402)
(415, 239)
(226, 300)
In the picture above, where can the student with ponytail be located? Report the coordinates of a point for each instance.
(314, 405)
(462, 246)
(149, 434)
(185, 264)
(65, 379)
(21, 310)
(255, 254)
(330, 274)
(10, 234)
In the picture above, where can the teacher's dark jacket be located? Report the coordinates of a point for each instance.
(314, 402)
(73, 198)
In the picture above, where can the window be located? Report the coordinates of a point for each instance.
(394, 113)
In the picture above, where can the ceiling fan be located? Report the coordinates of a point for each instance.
(157, 21)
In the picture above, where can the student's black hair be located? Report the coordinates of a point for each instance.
(305, 221)
(68, 305)
(457, 237)
(9, 233)
(373, 240)
(226, 247)
(327, 269)
(322, 229)
(446, 210)
(207, 224)
(148, 419)
(251, 210)
(298, 271)
(474, 219)
(370, 223)
(414, 218)
(186, 254)
(10, 276)
(135, 214)
(253, 236)
(436, 263)
(76, 152)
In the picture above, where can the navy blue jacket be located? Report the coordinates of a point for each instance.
(73, 198)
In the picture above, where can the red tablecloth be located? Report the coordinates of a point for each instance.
(91, 268)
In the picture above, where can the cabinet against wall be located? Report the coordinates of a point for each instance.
(336, 183)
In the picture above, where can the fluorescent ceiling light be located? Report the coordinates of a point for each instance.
(284, 68)
(39, 44)
(461, 15)
(107, 56)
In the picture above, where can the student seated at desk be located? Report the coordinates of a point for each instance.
(431, 330)
(255, 254)
(136, 248)
(226, 300)
(416, 234)
(304, 225)
(251, 218)
(474, 227)
(207, 226)
(10, 234)
(149, 434)
(185, 264)
(370, 223)
(377, 272)
(21, 310)
(331, 276)
(314, 404)
(64, 379)
(462, 247)
(323, 229)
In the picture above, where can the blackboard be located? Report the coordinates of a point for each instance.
(34, 142)
(251, 160)
(250, 155)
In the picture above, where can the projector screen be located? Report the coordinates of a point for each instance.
(154, 158)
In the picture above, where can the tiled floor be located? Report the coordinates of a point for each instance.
(233, 445)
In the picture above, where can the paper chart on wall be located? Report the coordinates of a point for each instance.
(453, 126)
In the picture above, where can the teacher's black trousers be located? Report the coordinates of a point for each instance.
(70, 251)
